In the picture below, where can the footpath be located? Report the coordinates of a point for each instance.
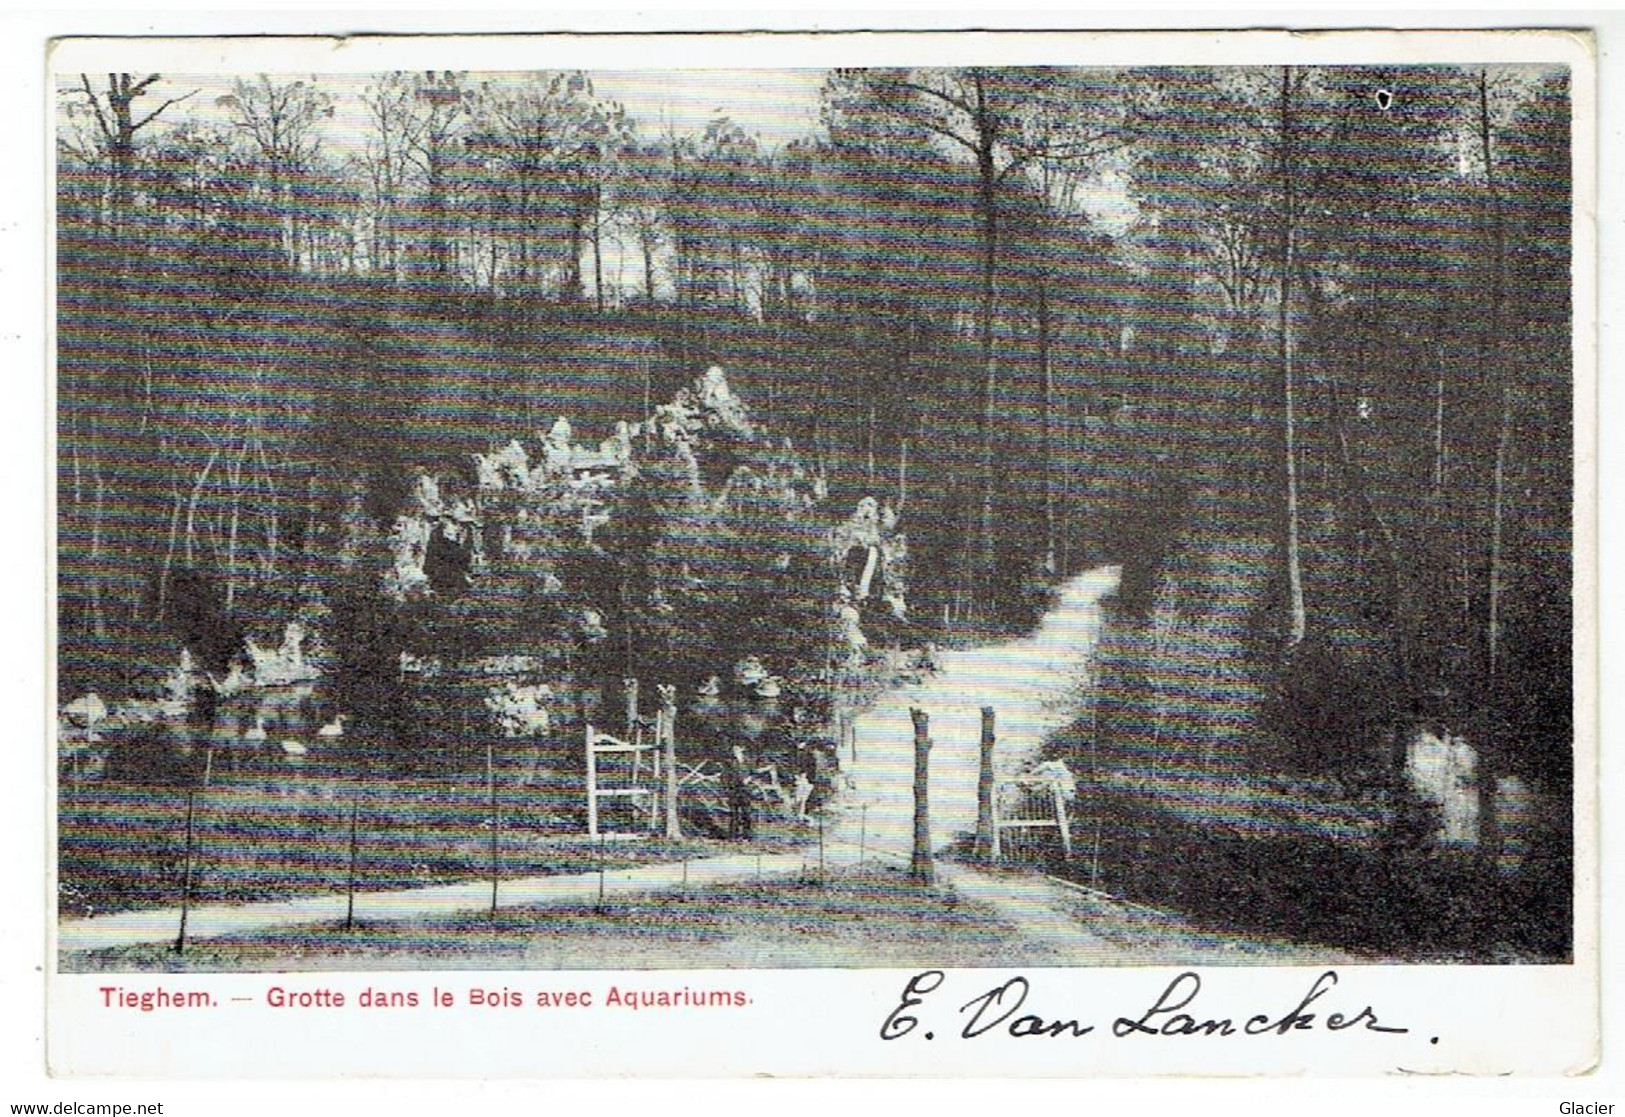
(1028, 681)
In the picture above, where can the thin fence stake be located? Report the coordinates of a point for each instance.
(600, 905)
(349, 913)
(668, 729)
(820, 847)
(186, 878)
(1094, 860)
(496, 818)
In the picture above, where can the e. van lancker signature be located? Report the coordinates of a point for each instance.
(996, 1012)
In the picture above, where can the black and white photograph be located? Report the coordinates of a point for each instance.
(1014, 515)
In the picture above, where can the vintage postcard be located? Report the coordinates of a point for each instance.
(993, 554)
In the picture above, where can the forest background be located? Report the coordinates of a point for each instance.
(1292, 345)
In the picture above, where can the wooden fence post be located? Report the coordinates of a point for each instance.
(631, 686)
(921, 867)
(668, 730)
(987, 830)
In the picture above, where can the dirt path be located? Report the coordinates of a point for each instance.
(160, 925)
(1039, 912)
(1028, 681)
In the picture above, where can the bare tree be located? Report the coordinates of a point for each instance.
(396, 128)
(996, 118)
(1296, 618)
(282, 121)
(113, 499)
(443, 114)
(645, 195)
(117, 124)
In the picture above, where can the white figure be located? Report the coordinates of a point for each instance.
(725, 408)
(866, 517)
(556, 446)
(1443, 770)
(236, 680)
(1055, 773)
(592, 625)
(428, 494)
(749, 671)
(803, 793)
(619, 445)
(292, 652)
(87, 711)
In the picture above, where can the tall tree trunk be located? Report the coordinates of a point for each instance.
(236, 477)
(439, 237)
(902, 475)
(191, 507)
(290, 232)
(169, 552)
(1296, 620)
(648, 268)
(1438, 440)
(1495, 374)
(113, 552)
(869, 434)
(98, 603)
(272, 515)
(312, 526)
(990, 239)
(598, 246)
(570, 282)
(1047, 374)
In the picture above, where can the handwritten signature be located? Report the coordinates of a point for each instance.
(997, 1010)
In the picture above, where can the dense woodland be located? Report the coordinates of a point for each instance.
(1314, 395)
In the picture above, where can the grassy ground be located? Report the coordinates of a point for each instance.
(1271, 860)
(864, 916)
(271, 835)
